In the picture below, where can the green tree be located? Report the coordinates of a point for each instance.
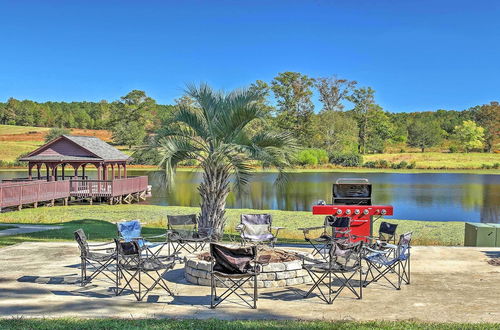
(424, 134)
(295, 109)
(363, 99)
(379, 129)
(335, 132)
(214, 134)
(488, 117)
(332, 90)
(56, 132)
(469, 135)
(131, 117)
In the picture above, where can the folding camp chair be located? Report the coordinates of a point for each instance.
(99, 257)
(257, 228)
(132, 231)
(344, 262)
(391, 259)
(232, 267)
(183, 234)
(135, 265)
(386, 234)
(334, 228)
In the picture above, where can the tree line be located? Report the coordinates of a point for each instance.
(348, 122)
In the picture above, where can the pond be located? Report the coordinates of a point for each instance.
(415, 196)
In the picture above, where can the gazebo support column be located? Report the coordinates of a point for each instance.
(83, 171)
(30, 168)
(112, 171)
(125, 171)
(119, 171)
(38, 171)
(47, 171)
(62, 170)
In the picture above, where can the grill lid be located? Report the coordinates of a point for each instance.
(352, 191)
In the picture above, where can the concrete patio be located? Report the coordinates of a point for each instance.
(449, 284)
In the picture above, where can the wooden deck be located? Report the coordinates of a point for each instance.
(19, 193)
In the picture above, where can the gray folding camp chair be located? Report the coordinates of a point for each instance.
(232, 267)
(183, 234)
(333, 229)
(257, 228)
(388, 261)
(136, 265)
(343, 263)
(98, 256)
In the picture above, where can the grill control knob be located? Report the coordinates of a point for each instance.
(356, 211)
(339, 211)
(347, 212)
(383, 212)
(365, 212)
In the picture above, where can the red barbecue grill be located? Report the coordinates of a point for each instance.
(352, 199)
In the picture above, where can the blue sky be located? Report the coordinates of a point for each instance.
(417, 55)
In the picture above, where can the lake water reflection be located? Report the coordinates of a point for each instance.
(416, 196)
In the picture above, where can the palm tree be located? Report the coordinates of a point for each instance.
(214, 132)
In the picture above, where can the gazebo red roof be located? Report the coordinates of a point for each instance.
(69, 148)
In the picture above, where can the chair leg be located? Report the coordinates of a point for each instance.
(83, 272)
(255, 292)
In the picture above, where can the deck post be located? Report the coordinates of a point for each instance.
(30, 168)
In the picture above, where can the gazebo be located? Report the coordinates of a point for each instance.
(77, 152)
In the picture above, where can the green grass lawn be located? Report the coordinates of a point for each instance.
(97, 220)
(73, 323)
(13, 129)
(439, 160)
(10, 150)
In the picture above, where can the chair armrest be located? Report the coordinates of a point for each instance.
(306, 229)
(100, 244)
(376, 251)
(278, 228)
(156, 236)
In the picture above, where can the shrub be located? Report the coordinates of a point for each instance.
(486, 166)
(312, 157)
(453, 149)
(346, 159)
(496, 165)
(369, 164)
(307, 157)
(412, 165)
(382, 163)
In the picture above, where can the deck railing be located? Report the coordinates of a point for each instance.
(26, 192)
(19, 193)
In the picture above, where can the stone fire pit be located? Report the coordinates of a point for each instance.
(284, 268)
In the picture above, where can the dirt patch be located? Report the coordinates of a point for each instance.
(265, 255)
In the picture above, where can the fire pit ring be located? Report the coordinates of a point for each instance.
(284, 268)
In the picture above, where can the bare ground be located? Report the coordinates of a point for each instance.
(449, 284)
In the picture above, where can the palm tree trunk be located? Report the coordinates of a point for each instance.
(213, 191)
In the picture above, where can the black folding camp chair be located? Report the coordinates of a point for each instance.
(100, 257)
(257, 229)
(390, 260)
(183, 234)
(337, 273)
(232, 267)
(334, 228)
(136, 266)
